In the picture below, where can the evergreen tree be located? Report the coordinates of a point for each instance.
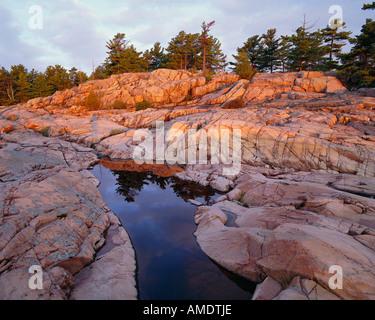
(73, 77)
(270, 52)
(307, 51)
(334, 41)
(23, 87)
(243, 67)
(131, 60)
(359, 65)
(116, 47)
(369, 6)
(252, 47)
(284, 50)
(6, 88)
(215, 59)
(183, 51)
(57, 78)
(100, 72)
(40, 87)
(158, 58)
(21, 84)
(82, 77)
(205, 40)
(147, 59)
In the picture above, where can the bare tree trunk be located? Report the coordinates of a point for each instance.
(10, 92)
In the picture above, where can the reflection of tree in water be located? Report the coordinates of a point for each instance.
(130, 183)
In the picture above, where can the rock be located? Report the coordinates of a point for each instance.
(368, 92)
(196, 203)
(303, 191)
(221, 183)
(112, 274)
(289, 229)
(6, 126)
(257, 190)
(304, 289)
(334, 86)
(52, 215)
(267, 290)
(317, 251)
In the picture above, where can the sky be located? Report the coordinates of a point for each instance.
(73, 33)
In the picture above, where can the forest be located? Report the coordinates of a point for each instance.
(307, 49)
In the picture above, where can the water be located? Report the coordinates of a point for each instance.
(160, 222)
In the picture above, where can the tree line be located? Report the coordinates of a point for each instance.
(20, 85)
(312, 50)
(190, 51)
(306, 49)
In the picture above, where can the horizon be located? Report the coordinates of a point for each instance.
(74, 32)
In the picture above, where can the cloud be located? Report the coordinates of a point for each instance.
(13, 50)
(75, 31)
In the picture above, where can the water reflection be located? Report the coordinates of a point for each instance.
(160, 221)
(130, 184)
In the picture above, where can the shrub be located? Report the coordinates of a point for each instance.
(244, 68)
(143, 105)
(45, 132)
(246, 72)
(118, 105)
(208, 75)
(234, 104)
(92, 101)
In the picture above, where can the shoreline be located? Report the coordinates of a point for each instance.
(289, 138)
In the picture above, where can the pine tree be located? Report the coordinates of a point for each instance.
(334, 41)
(21, 83)
(82, 77)
(23, 87)
(215, 59)
(116, 47)
(73, 77)
(284, 50)
(359, 65)
(307, 51)
(6, 87)
(100, 72)
(183, 51)
(369, 6)
(205, 40)
(57, 78)
(270, 52)
(252, 47)
(243, 67)
(147, 59)
(159, 59)
(39, 87)
(131, 60)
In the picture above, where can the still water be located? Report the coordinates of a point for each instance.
(156, 213)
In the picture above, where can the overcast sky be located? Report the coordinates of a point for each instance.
(74, 32)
